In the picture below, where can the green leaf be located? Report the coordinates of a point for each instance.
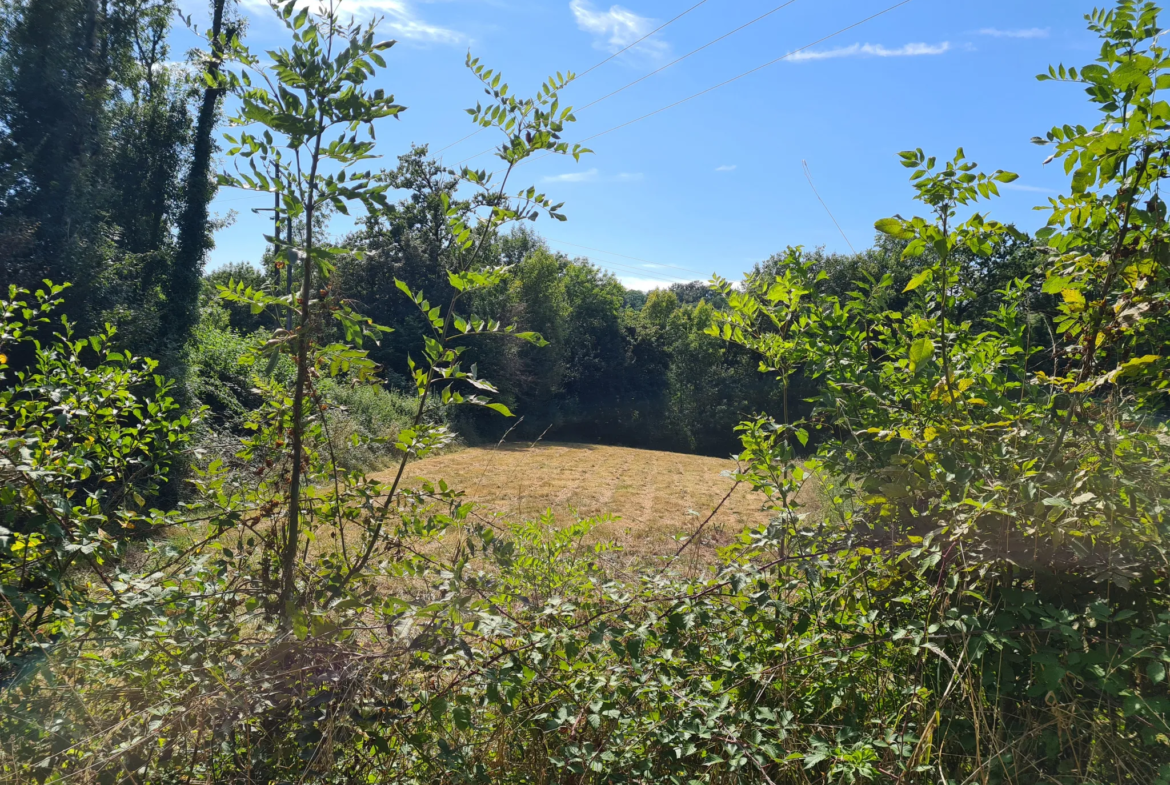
(895, 228)
(919, 279)
(1083, 179)
(1156, 671)
(1056, 284)
(920, 351)
(300, 624)
(914, 249)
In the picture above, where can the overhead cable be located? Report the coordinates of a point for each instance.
(728, 81)
(595, 66)
(656, 71)
(688, 54)
(749, 73)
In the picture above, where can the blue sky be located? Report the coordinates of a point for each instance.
(717, 183)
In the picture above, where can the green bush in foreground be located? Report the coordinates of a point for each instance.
(88, 435)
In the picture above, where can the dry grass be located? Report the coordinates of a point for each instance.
(657, 497)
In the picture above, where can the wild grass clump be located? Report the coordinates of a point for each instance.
(364, 422)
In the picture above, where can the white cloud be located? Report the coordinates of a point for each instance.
(873, 50)
(399, 18)
(1029, 188)
(726, 168)
(616, 28)
(593, 175)
(1031, 32)
(642, 284)
(572, 177)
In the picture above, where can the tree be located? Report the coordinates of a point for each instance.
(409, 240)
(543, 303)
(75, 475)
(94, 128)
(194, 236)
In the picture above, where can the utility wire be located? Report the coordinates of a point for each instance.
(640, 40)
(628, 269)
(688, 54)
(808, 176)
(748, 73)
(595, 66)
(624, 268)
(617, 272)
(735, 79)
(643, 78)
(725, 82)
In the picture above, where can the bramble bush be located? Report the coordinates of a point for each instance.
(88, 435)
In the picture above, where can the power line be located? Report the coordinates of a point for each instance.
(727, 81)
(252, 195)
(688, 54)
(735, 79)
(619, 272)
(749, 73)
(640, 40)
(656, 71)
(616, 267)
(597, 65)
(808, 176)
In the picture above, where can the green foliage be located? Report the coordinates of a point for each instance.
(365, 422)
(983, 599)
(1034, 497)
(96, 134)
(540, 562)
(87, 436)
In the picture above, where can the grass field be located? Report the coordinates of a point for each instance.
(657, 497)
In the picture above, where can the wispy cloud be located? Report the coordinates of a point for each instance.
(617, 28)
(572, 177)
(593, 175)
(1034, 189)
(399, 18)
(726, 168)
(1031, 32)
(873, 50)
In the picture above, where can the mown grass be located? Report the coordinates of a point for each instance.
(655, 498)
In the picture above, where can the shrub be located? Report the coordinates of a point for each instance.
(87, 436)
(364, 421)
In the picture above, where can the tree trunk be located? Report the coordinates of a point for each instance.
(194, 242)
(289, 556)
